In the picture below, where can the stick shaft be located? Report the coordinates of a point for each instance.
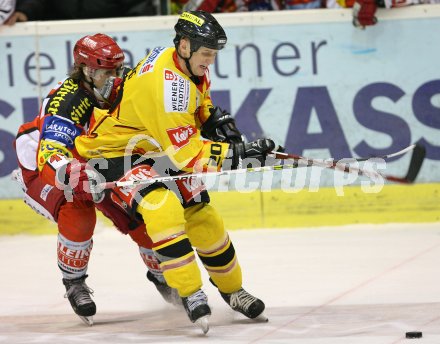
(418, 155)
(299, 161)
(126, 183)
(387, 156)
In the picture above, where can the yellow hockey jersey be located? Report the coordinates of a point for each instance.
(160, 112)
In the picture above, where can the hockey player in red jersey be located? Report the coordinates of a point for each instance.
(46, 146)
(154, 129)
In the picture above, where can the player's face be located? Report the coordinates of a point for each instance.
(201, 59)
(101, 75)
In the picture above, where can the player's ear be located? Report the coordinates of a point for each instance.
(185, 47)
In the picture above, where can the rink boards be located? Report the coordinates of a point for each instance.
(278, 209)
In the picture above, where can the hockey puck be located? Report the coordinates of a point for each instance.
(413, 334)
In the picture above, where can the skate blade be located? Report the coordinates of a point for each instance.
(261, 318)
(203, 323)
(87, 320)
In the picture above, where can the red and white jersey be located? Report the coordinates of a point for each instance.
(26, 144)
(64, 114)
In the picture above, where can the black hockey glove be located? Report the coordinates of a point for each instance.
(251, 154)
(220, 127)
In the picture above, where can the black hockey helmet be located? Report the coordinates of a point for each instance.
(202, 29)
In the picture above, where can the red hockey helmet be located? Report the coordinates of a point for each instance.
(98, 51)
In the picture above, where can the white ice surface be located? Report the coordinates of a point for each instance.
(365, 284)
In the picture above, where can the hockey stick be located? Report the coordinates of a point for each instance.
(415, 164)
(299, 161)
(387, 156)
(129, 183)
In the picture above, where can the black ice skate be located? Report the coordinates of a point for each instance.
(78, 294)
(169, 294)
(243, 302)
(196, 306)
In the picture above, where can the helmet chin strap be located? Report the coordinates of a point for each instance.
(193, 77)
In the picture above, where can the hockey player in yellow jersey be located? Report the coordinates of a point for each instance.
(154, 129)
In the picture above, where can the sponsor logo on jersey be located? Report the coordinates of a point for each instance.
(78, 111)
(190, 187)
(192, 184)
(123, 196)
(148, 65)
(141, 172)
(60, 130)
(180, 136)
(57, 161)
(176, 92)
(45, 191)
(62, 94)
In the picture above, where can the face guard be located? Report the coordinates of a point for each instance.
(103, 74)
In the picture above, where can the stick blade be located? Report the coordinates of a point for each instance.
(416, 162)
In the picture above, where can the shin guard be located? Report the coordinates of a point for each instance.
(73, 257)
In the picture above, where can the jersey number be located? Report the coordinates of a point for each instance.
(216, 153)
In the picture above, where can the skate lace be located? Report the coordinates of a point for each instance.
(241, 299)
(196, 299)
(80, 292)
